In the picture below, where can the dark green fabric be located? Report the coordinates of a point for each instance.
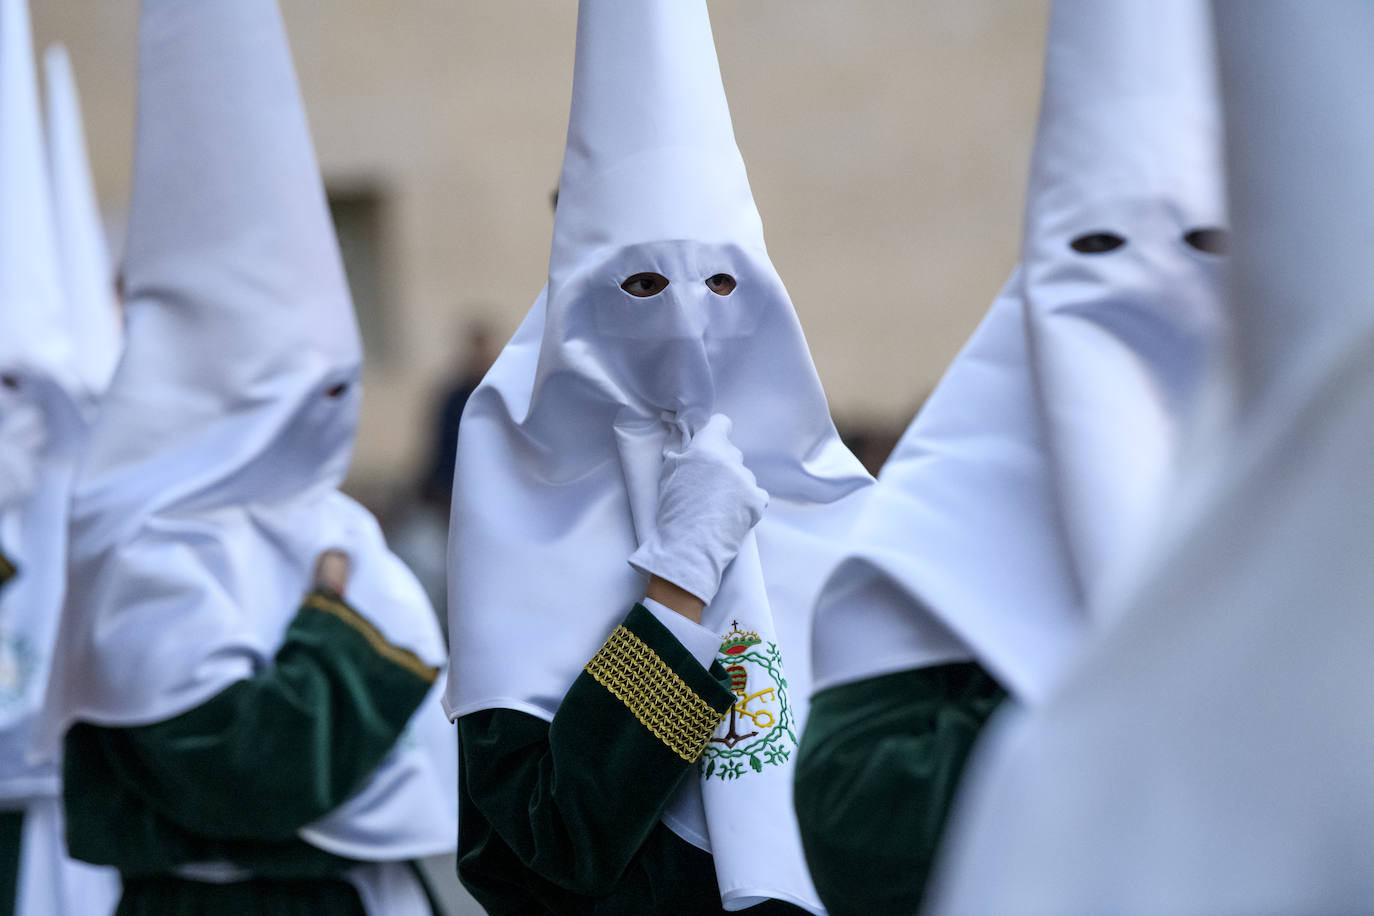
(235, 778)
(7, 568)
(563, 817)
(877, 770)
(163, 896)
(11, 836)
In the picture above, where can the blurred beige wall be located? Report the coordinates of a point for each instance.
(887, 141)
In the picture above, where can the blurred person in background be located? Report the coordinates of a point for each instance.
(418, 524)
(657, 397)
(478, 353)
(1213, 750)
(58, 348)
(1038, 464)
(244, 691)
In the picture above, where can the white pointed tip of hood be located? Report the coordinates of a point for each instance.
(1130, 100)
(651, 152)
(88, 281)
(228, 210)
(31, 307)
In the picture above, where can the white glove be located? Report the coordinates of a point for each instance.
(22, 434)
(708, 501)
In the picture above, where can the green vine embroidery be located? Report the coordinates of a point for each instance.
(760, 730)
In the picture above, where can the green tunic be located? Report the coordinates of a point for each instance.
(11, 833)
(563, 817)
(234, 779)
(877, 770)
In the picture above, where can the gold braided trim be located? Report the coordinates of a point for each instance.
(662, 701)
(402, 657)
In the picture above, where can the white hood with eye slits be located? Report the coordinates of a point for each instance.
(1214, 750)
(562, 444)
(209, 487)
(1040, 458)
(1127, 154)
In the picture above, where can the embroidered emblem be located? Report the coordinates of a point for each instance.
(17, 662)
(760, 730)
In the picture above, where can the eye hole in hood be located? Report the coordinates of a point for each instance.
(644, 285)
(721, 284)
(1097, 243)
(1211, 240)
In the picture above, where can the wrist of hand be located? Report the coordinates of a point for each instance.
(675, 598)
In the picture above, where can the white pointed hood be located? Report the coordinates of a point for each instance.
(88, 281)
(239, 317)
(562, 444)
(210, 484)
(35, 358)
(35, 340)
(1214, 751)
(1128, 151)
(651, 151)
(1039, 458)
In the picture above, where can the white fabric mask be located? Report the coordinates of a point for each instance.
(210, 484)
(562, 444)
(1212, 752)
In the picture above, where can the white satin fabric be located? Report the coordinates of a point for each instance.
(562, 444)
(956, 553)
(1212, 752)
(209, 488)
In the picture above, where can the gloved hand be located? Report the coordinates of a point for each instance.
(707, 502)
(22, 434)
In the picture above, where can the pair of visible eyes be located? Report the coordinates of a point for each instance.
(644, 285)
(1210, 240)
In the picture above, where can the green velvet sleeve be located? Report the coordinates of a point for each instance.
(877, 769)
(564, 816)
(251, 766)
